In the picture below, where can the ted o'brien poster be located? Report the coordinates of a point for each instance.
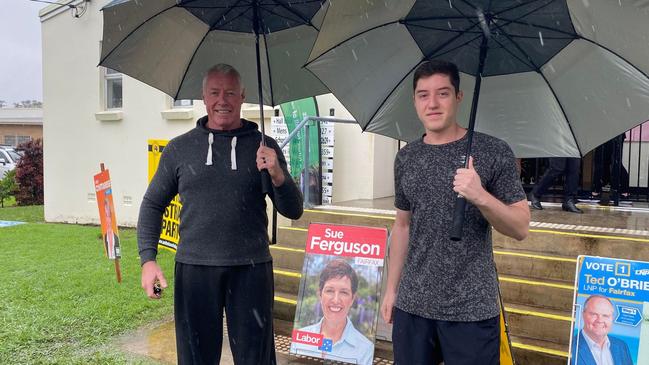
(338, 300)
(611, 312)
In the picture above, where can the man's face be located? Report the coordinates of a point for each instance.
(336, 298)
(436, 102)
(223, 96)
(598, 317)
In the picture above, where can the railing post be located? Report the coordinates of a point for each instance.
(306, 176)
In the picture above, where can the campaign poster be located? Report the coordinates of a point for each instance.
(169, 234)
(611, 308)
(338, 299)
(109, 233)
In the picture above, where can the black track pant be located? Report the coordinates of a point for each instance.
(422, 341)
(246, 292)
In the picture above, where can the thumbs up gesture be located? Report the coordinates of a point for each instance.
(468, 184)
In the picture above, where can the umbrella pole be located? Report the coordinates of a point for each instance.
(460, 201)
(265, 176)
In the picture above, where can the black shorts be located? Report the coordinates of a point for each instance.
(422, 341)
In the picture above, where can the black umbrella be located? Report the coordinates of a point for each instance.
(169, 44)
(558, 77)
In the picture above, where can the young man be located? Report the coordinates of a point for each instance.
(223, 260)
(442, 296)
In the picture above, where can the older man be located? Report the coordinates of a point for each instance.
(594, 345)
(223, 260)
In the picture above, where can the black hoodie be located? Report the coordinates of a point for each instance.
(223, 219)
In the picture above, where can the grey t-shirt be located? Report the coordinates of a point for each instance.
(443, 279)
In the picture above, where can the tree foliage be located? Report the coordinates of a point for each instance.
(29, 174)
(28, 104)
(8, 186)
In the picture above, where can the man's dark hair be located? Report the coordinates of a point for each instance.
(432, 67)
(339, 269)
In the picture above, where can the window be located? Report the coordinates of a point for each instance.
(10, 140)
(183, 103)
(113, 91)
(23, 139)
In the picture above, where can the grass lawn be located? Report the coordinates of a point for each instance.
(59, 300)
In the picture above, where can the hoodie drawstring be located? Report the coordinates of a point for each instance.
(233, 153)
(210, 140)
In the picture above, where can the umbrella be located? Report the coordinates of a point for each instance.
(169, 44)
(558, 78)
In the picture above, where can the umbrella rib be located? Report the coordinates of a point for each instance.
(519, 48)
(352, 37)
(563, 111)
(454, 48)
(515, 21)
(270, 76)
(133, 31)
(529, 63)
(445, 29)
(190, 63)
(578, 36)
(296, 13)
(229, 10)
(300, 21)
(524, 4)
(556, 97)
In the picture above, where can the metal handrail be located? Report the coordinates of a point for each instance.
(304, 124)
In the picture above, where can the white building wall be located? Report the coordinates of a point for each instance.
(76, 142)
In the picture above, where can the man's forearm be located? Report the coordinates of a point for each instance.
(149, 225)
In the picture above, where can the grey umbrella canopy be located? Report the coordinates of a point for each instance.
(559, 77)
(169, 44)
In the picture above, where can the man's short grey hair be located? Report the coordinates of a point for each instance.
(223, 69)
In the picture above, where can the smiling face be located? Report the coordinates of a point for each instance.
(223, 96)
(598, 318)
(336, 298)
(436, 103)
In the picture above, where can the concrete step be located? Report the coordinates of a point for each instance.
(571, 244)
(284, 308)
(294, 237)
(550, 294)
(344, 217)
(546, 324)
(528, 351)
(534, 265)
(287, 257)
(286, 280)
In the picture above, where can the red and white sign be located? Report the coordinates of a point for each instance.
(364, 243)
(307, 338)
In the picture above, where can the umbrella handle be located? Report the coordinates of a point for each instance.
(265, 182)
(458, 218)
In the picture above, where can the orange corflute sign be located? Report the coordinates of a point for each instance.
(109, 231)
